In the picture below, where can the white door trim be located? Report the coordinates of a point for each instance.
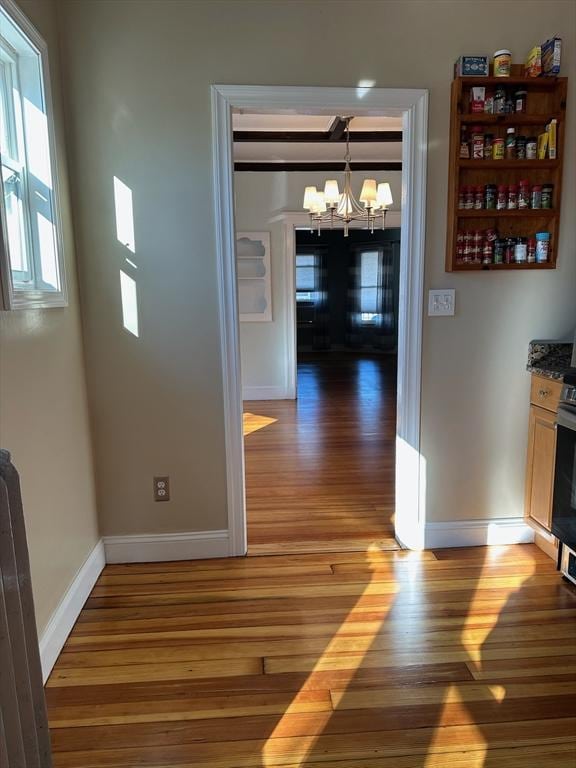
(412, 105)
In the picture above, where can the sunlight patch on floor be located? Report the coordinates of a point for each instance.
(253, 422)
(363, 644)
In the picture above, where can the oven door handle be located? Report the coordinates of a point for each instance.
(566, 417)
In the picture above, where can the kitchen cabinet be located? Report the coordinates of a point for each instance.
(544, 397)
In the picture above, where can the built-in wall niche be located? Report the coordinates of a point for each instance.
(254, 280)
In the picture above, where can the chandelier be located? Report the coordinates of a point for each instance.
(332, 206)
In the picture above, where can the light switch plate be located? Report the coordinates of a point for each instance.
(441, 302)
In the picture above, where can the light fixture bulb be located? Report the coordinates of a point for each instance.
(331, 192)
(384, 195)
(309, 198)
(368, 194)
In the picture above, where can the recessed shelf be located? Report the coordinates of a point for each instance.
(514, 118)
(507, 164)
(483, 213)
(537, 83)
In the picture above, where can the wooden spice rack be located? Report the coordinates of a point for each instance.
(546, 99)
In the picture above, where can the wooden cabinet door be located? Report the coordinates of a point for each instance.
(540, 466)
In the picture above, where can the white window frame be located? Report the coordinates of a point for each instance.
(367, 318)
(311, 295)
(11, 296)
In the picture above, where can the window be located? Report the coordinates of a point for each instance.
(306, 277)
(31, 267)
(370, 286)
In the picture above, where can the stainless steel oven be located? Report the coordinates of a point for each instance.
(564, 503)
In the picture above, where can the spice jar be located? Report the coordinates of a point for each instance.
(509, 105)
(479, 197)
(520, 250)
(520, 100)
(477, 246)
(542, 247)
(531, 252)
(490, 191)
(512, 203)
(521, 147)
(499, 101)
(488, 142)
(498, 149)
(509, 250)
(487, 253)
(499, 248)
(502, 63)
(531, 148)
(502, 197)
(524, 194)
(464, 146)
(477, 143)
(536, 196)
(547, 192)
(469, 198)
(510, 144)
(467, 247)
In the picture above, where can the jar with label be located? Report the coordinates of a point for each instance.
(512, 202)
(520, 100)
(531, 251)
(462, 198)
(521, 148)
(487, 253)
(498, 149)
(477, 143)
(502, 63)
(531, 148)
(502, 197)
(542, 247)
(509, 105)
(479, 197)
(467, 247)
(469, 198)
(547, 192)
(499, 101)
(520, 250)
(536, 196)
(499, 248)
(490, 191)
(524, 194)
(477, 246)
(489, 104)
(488, 143)
(490, 235)
(509, 250)
(464, 146)
(510, 144)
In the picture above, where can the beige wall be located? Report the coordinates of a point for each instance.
(260, 199)
(43, 408)
(138, 76)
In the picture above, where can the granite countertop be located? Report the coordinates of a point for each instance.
(549, 358)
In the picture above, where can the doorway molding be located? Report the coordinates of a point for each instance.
(412, 105)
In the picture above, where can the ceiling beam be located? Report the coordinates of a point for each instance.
(315, 137)
(311, 167)
(337, 129)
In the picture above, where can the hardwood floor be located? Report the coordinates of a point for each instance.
(449, 659)
(320, 470)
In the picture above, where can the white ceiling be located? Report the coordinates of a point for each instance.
(247, 151)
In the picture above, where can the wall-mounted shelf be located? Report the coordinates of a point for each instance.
(546, 99)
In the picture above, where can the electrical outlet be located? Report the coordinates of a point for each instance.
(162, 488)
(441, 302)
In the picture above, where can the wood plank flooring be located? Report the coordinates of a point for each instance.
(373, 659)
(320, 470)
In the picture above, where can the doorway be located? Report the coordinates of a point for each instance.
(411, 105)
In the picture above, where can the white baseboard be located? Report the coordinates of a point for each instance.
(477, 533)
(266, 393)
(158, 547)
(64, 617)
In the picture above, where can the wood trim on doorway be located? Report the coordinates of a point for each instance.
(412, 104)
